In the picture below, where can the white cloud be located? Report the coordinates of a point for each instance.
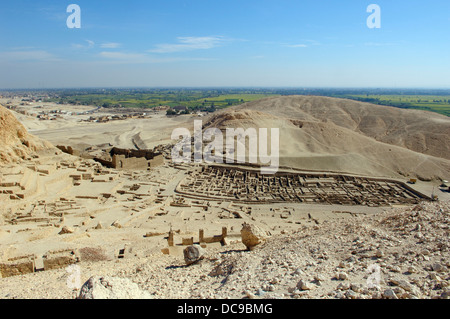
(296, 45)
(124, 57)
(34, 55)
(379, 44)
(189, 44)
(305, 44)
(78, 46)
(90, 44)
(110, 45)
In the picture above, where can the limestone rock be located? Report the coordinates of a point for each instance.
(389, 294)
(304, 285)
(66, 230)
(343, 286)
(350, 294)
(193, 253)
(342, 276)
(319, 278)
(252, 235)
(379, 253)
(405, 285)
(116, 224)
(412, 270)
(433, 276)
(396, 269)
(99, 287)
(99, 226)
(437, 267)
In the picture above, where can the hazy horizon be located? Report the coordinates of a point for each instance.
(234, 44)
(223, 87)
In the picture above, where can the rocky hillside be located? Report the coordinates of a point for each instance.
(402, 253)
(15, 142)
(419, 131)
(312, 143)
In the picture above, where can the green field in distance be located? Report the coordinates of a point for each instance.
(211, 99)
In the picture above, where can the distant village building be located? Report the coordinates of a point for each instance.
(179, 108)
(161, 108)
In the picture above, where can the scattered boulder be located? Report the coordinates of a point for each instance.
(342, 276)
(99, 226)
(389, 294)
(193, 254)
(252, 235)
(319, 278)
(350, 294)
(433, 276)
(304, 285)
(116, 224)
(99, 287)
(343, 286)
(66, 230)
(405, 285)
(437, 267)
(379, 253)
(412, 270)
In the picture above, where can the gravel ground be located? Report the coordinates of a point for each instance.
(401, 253)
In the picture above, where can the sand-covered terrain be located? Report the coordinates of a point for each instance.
(330, 134)
(402, 253)
(340, 205)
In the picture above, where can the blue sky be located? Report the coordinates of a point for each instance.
(295, 43)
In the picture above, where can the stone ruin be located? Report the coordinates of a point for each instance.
(68, 150)
(202, 240)
(22, 265)
(119, 158)
(132, 159)
(249, 186)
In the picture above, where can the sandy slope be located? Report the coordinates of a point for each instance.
(420, 131)
(316, 133)
(324, 134)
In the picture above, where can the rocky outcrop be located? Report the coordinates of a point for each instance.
(111, 288)
(15, 142)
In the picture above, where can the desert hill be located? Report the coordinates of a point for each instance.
(420, 131)
(15, 142)
(313, 138)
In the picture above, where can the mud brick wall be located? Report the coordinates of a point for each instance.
(120, 161)
(15, 269)
(147, 154)
(58, 262)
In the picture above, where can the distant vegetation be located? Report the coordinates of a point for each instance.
(435, 103)
(206, 100)
(210, 99)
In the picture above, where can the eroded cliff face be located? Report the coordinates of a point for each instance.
(15, 142)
